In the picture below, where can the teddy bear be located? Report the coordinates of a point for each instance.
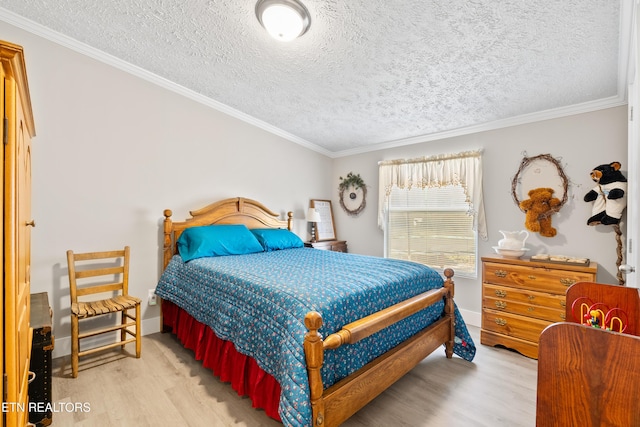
(609, 195)
(539, 207)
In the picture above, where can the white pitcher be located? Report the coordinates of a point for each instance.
(513, 240)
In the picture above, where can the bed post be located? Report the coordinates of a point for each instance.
(167, 251)
(314, 355)
(290, 221)
(449, 311)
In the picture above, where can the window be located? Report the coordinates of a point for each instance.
(432, 226)
(432, 212)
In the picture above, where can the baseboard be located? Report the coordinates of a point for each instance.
(471, 318)
(62, 346)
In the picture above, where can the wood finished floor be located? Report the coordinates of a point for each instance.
(167, 387)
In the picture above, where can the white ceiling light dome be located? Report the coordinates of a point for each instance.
(284, 20)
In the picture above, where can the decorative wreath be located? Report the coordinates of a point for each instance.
(357, 183)
(526, 162)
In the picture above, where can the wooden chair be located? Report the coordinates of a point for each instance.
(110, 277)
(587, 377)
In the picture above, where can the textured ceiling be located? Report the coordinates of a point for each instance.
(367, 71)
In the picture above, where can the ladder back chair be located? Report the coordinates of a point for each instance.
(94, 275)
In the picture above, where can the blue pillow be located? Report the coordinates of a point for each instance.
(273, 239)
(217, 240)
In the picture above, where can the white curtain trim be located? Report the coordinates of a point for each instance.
(463, 169)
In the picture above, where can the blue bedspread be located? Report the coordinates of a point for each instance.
(258, 302)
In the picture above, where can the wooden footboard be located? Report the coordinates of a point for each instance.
(331, 407)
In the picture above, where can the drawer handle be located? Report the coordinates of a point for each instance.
(531, 297)
(500, 273)
(530, 308)
(531, 277)
(501, 304)
(500, 322)
(563, 303)
(567, 282)
(563, 316)
(500, 293)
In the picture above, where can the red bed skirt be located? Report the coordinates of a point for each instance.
(219, 355)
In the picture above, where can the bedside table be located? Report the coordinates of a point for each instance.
(328, 245)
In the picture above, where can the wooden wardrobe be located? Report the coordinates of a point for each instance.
(16, 130)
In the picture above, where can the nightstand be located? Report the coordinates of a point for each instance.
(328, 245)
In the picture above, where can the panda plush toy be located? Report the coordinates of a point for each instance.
(609, 195)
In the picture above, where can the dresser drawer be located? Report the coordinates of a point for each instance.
(540, 279)
(543, 306)
(514, 325)
(524, 309)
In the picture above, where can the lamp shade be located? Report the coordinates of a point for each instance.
(284, 20)
(313, 215)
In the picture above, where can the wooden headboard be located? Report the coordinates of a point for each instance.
(237, 210)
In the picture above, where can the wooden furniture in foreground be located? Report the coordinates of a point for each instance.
(16, 129)
(43, 341)
(106, 275)
(333, 406)
(329, 245)
(587, 377)
(521, 297)
(611, 297)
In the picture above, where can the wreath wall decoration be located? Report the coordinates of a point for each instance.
(525, 165)
(350, 185)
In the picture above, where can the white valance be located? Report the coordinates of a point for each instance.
(463, 169)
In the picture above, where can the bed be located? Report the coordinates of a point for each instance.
(310, 336)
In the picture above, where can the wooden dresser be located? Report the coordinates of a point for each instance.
(521, 297)
(329, 245)
(16, 129)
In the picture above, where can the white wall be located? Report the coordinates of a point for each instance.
(113, 151)
(580, 142)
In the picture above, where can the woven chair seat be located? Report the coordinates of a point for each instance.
(105, 306)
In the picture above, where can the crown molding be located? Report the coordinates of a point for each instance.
(626, 68)
(84, 49)
(586, 107)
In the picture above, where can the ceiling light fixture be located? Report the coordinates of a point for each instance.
(284, 20)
